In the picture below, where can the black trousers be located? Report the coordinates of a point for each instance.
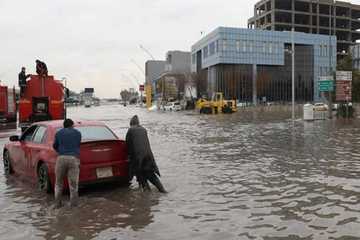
(150, 176)
(22, 90)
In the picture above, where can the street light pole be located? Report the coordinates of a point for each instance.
(331, 12)
(293, 74)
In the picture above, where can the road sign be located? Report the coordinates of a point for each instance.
(326, 84)
(141, 88)
(344, 75)
(343, 85)
(89, 90)
(343, 90)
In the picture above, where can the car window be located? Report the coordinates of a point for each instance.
(29, 133)
(95, 133)
(39, 136)
(176, 103)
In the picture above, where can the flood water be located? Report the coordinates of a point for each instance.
(241, 176)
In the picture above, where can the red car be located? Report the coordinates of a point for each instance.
(103, 156)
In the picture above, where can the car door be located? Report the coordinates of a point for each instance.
(37, 147)
(21, 152)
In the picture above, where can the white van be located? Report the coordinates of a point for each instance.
(172, 106)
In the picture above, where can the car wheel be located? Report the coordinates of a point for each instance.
(44, 184)
(7, 163)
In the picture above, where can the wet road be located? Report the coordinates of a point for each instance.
(244, 176)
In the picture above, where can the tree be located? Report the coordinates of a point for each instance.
(129, 96)
(125, 95)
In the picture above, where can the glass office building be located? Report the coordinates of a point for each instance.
(252, 65)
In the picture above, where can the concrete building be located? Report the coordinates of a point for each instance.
(249, 64)
(355, 53)
(153, 69)
(178, 62)
(173, 81)
(310, 16)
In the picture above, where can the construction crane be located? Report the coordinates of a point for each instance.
(147, 51)
(135, 77)
(138, 66)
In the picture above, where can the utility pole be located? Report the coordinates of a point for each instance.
(293, 74)
(331, 13)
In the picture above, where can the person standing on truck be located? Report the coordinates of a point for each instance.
(141, 159)
(41, 68)
(22, 80)
(67, 145)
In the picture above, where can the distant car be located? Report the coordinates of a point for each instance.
(172, 106)
(320, 107)
(87, 103)
(103, 156)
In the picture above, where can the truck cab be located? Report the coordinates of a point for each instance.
(43, 100)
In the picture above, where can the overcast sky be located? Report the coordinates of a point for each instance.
(94, 43)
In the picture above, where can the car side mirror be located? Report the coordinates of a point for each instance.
(14, 138)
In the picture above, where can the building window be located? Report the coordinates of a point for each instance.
(244, 46)
(212, 48)
(276, 46)
(264, 47)
(250, 46)
(205, 51)
(238, 43)
(168, 59)
(270, 48)
(224, 44)
(325, 50)
(194, 58)
(321, 50)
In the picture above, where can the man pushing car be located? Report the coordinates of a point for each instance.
(142, 163)
(67, 145)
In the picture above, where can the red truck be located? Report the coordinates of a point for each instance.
(42, 100)
(7, 105)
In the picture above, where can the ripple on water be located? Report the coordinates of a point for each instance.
(250, 175)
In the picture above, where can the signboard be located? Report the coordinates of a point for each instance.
(343, 86)
(141, 88)
(326, 84)
(344, 75)
(89, 90)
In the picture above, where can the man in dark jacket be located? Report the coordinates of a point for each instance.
(22, 80)
(142, 162)
(41, 68)
(67, 145)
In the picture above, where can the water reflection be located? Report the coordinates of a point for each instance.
(7, 126)
(100, 208)
(121, 209)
